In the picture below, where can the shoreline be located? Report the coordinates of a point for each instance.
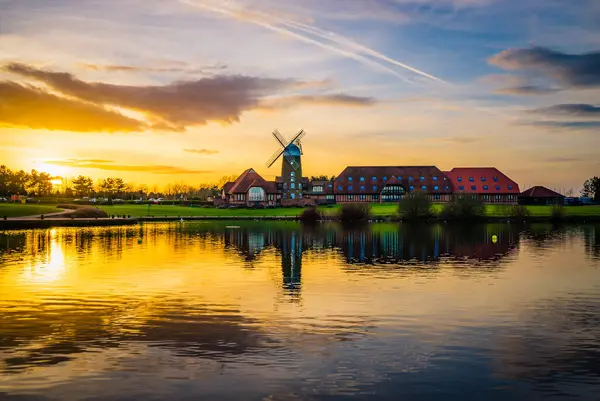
(31, 223)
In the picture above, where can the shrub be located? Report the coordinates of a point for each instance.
(463, 207)
(70, 206)
(415, 206)
(310, 215)
(86, 212)
(353, 212)
(519, 211)
(558, 213)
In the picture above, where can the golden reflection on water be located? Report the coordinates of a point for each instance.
(332, 308)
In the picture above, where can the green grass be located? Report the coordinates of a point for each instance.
(380, 210)
(19, 210)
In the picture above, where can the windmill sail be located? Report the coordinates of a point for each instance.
(274, 158)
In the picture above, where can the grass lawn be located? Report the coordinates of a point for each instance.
(18, 210)
(15, 210)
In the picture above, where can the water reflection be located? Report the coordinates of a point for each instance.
(289, 312)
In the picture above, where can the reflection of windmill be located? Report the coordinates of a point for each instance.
(291, 166)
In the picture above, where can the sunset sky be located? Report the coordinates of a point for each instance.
(157, 91)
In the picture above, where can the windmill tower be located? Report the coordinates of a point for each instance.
(291, 164)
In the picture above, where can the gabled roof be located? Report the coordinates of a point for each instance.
(227, 187)
(393, 181)
(540, 192)
(248, 179)
(406, 176)
(490, 177)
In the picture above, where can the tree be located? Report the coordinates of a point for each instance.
(225, 179)
(319, 178)
(83, 186)
(591, 188)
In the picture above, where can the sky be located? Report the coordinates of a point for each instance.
(161, 91)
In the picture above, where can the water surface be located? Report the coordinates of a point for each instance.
(275, 311)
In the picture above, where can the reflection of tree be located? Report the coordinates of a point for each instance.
(555, 343)
(591, 235)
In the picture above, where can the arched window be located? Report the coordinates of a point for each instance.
(256, 194)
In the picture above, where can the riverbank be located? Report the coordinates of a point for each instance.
(132, 214)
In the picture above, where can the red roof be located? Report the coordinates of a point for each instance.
(481, 180)
(227, 187)
(372, 179)
(248, 179)
(540, 192)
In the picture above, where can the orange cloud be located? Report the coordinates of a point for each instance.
(109, 166)
(202, 151)
(30, 107)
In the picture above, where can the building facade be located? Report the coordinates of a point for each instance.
(373, 184)
(390, 183)
(489, 184)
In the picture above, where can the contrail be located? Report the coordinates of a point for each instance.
(253, 17)
(339, 39)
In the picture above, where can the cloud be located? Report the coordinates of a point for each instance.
(202, 151)
(571, 125)
(461, 140)
(175, 105)
(30, 107)
(526, 90)
(182, 67)
(309, 34)
(338, 100)
(109, 166)
(582, 110)
(573, 70)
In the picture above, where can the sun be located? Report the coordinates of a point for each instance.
(56, 181)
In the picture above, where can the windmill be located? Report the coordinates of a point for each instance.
(289, 150)
(291, 166)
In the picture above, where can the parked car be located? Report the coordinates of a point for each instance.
(118, 201)
(3, 200)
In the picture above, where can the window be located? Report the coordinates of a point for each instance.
(497, 187)
(350, 197)
(329, 197)
(362, 178)
(349, 178)
(384, 178)
(482, 179)
(400, 177)
(299, 185)
(330, 185)
(447, 188)
(474, 187)
(434, 178)
(436, 197)
(375, 197)
(412, 187)
(436, 188)
(349, 187)
(292, 174)
(485, 187)
(471, 179)
(495, 179)
(422, 178)
(362, 187)
(424, 187)
(256, 194)
(374, 178)
(461, 188)
(410, 178)
(363, 197)
(510, 187)
(293, 185)
(292, 179)
(374, 188)
(317, 188)
(340, 188)
(459, 179)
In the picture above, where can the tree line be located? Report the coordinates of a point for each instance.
(36, 183)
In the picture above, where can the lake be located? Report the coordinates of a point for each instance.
(277, 311)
